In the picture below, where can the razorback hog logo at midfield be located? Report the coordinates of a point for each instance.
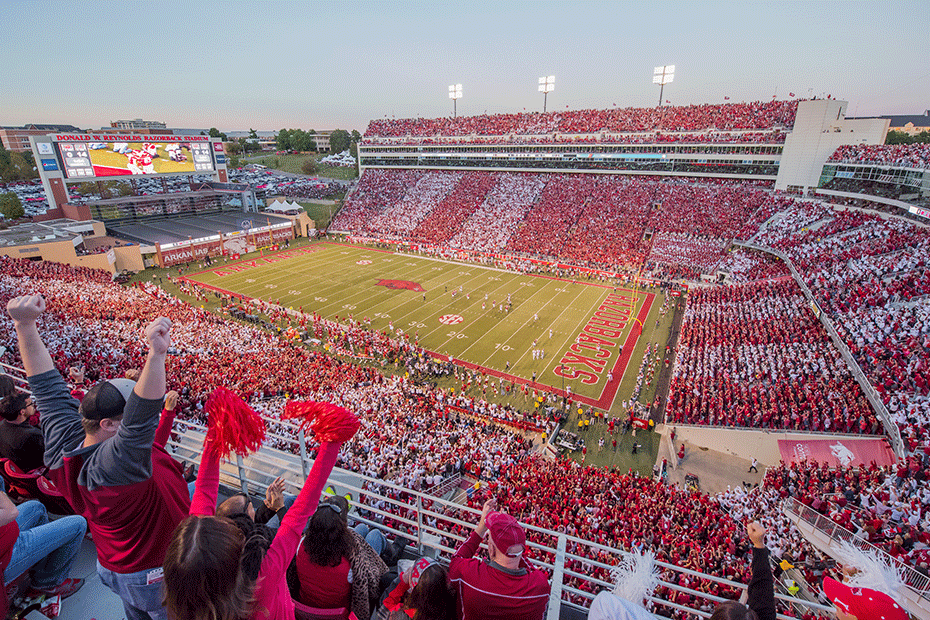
(401, 284)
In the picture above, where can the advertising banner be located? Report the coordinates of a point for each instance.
(837, 452)
(187, 253)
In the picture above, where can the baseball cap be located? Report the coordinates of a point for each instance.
(507, 534)
(863, 603)
(106, 399)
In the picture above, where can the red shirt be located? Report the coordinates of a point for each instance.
(326, 587)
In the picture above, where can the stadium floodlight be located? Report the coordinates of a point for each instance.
(546, 86)
(662, 76)
(455, 93)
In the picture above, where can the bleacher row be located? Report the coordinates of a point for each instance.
(895, 155)
(870, 273)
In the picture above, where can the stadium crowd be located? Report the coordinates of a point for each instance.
(750, 355)
(754, 355)
(650, 137)
(592, 222)
(758, 115)
(898, 155)
(887, 507)
(870, 274)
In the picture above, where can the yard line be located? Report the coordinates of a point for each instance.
(527, 322)
(452, 262)
(551, 324)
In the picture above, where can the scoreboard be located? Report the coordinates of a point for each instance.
(96, 156)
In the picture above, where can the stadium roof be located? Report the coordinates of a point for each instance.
(44, 232)
(40, 127)
(900, 120)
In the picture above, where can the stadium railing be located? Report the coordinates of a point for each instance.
(917, 582)
(891, 429)
(419, 512)
(680, 425)
(18, 375)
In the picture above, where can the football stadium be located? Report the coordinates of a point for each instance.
(664, 362)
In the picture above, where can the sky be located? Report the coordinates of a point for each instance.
(326, 65)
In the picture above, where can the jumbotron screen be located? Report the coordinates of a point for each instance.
(134, 155)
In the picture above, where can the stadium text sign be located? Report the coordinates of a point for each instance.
(120, 137)
(587, 358)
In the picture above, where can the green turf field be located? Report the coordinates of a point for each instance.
(470, 326)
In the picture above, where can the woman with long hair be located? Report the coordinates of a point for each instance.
(335, 566)
(212, 570)
(422, 593)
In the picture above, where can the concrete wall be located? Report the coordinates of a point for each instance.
(819, 128)
(128, 258)
(743, 444)
(125, 257)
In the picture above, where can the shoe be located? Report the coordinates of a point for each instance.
(65, 589)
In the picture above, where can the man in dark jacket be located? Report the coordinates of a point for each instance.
(20, 441)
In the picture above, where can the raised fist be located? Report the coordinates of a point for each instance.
(171, 400)
(26, 309)
(158, 335)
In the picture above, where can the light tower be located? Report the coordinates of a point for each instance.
(662, 76)
(455, 93)
(546, 86)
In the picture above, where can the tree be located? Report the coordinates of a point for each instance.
(309, 166)
(283, 140)
(11, 207)
(233, 161)
(215, 133)
(339, 141)
(306, 143)
(356, 138)
(17, 165)
(898, 137)
(6, 164)
(253, 135)
(233, 148)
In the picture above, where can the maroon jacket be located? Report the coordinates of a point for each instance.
(488, 591)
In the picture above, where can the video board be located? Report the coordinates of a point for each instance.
(90, 156)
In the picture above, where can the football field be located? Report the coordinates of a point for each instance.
(587, 335)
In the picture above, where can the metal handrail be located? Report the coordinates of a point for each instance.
(913, 579)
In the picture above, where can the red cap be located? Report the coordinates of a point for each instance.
(863, 603)
(507, 534)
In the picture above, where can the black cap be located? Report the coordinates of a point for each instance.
(106, 399)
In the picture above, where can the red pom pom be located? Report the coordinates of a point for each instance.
(234, 426)
(327, 421)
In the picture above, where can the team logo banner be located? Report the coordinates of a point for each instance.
(836, 452)
(401, 284)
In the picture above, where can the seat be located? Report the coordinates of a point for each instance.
(305, 612)
(22, 486)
